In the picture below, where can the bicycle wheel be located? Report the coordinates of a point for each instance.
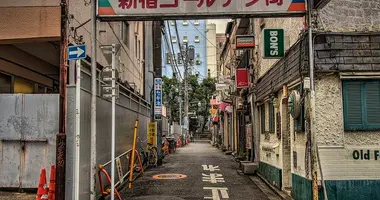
(153, 157)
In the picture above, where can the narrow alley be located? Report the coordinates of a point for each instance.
(197, 161)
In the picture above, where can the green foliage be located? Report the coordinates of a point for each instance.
(199, 91)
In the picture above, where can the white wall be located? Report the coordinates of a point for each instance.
(211, 49)
(132, 68)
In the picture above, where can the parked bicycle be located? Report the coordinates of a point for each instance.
(148, 154)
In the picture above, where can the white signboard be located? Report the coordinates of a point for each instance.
(149, 9)
(221, 87)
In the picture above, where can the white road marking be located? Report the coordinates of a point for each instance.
(213, 178)
(215, 193)
(210, 168)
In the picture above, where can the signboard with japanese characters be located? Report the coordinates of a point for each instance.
(175, 9)
(157, 98)
(245, 41)
(152, 133)
(242, 80)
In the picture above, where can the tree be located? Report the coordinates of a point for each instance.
(170, 95)
(198, 92)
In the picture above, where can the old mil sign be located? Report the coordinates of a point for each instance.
(245, 41)
(176, 9)
(274, 43)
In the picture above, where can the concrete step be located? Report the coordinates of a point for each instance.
(248, 167)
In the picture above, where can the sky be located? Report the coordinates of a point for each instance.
(220, 24)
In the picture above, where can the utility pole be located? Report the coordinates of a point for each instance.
(186, 95)
(314, 164)
(157, 64)
(61, 136)
(180, 113)
(93, 101)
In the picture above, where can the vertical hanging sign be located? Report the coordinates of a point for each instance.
(274, 43)
(157, 98)
(241, 78)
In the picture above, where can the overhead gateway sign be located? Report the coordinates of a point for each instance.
(174, 9)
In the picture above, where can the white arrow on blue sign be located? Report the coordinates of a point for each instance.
(76, 52)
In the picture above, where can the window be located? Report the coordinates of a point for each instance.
(168, 58)
(262, 118)
(125, 33)
(185, 22)
(198, 60)
(23, 86)
(5, 83)
(196, 22)
(185, 40)
(139, 50)
(196, 39)
(174, 39)
(172, 22)
(361, 104)
(179, 60)
(271, 118)
(136, 50)
(299, 123)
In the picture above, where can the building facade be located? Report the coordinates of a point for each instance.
(347, 90)
(30, 51)
(192, 33)
(211, 50)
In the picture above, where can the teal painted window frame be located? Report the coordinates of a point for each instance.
(262, 118)
(365, 125)
(299, 124)
(271, 118)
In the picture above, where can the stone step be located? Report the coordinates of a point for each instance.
(248, 167)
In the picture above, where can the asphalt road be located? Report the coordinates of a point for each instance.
(210, 175)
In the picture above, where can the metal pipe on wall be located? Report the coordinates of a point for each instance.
(93, 100)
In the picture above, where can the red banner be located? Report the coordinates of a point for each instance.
(241, 77)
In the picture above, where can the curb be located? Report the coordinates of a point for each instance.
(279, 193)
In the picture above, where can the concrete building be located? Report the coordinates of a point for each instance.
(347, 91)
(276, 105)
(29, 86)
(192, 32)
(211, 50)
(220, 40)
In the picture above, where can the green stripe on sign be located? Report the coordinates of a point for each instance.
(104, 3)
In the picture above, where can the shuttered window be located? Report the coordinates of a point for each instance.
(271, 117)
(361, 103)
(299, 123)
(262, 118)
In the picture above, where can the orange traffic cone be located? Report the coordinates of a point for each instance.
(42, 192)
(52, 183)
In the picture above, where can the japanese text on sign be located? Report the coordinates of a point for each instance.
(175, 8)
(152, 133)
